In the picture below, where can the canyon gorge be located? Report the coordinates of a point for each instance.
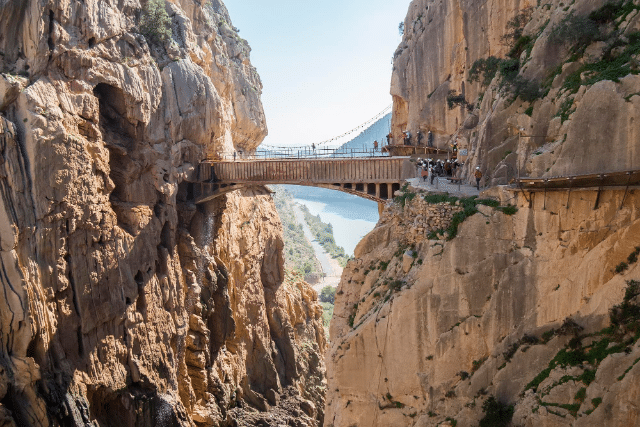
(126, 303)
(519, 308)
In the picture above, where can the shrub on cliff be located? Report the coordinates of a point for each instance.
(328, 294)
(497, 414)
(155, 23)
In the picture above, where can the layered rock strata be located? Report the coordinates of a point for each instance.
(123, 302)
(511, 308)
(527, 89)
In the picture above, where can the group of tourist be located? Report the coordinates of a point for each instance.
(419, 138)
(432, 168)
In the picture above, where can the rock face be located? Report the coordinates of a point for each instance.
(559, 98)
(123, 303)
(509, 309)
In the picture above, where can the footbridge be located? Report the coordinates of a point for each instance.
(374, 178)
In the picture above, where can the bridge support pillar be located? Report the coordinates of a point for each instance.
(378, 191)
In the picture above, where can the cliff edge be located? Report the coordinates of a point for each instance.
(123, 302)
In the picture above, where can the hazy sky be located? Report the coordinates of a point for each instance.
(325, 65)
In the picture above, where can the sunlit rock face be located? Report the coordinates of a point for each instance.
(124, 303)
(575, 72)
(425, 331)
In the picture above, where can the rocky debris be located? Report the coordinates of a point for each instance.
(121, 296)
(490, 313)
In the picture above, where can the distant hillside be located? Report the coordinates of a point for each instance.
(377, 131)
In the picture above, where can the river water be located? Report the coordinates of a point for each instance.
(352, 217)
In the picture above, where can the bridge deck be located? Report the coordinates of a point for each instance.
(374, 178)
(307, 171)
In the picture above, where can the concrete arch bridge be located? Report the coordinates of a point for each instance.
(374, 178)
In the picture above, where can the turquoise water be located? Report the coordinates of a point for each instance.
(352, 217)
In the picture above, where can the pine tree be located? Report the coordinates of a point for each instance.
(155, 24)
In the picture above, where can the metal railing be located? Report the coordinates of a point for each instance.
(304, 153)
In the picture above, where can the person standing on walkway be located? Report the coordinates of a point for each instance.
(478, 176)
(419, 134)
(375, 145)
(430, 139)
(407, 137)
(234, 155)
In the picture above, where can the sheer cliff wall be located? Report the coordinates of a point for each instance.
(542, 88)
(123, 303)
(512, 308)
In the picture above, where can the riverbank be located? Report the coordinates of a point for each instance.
(330, 267)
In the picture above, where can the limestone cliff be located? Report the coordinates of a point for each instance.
(123, 303)
(530, 89)
(510, 311)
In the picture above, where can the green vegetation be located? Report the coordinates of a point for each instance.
(631, 259)
(497, 414)
(454, 99)
(298, 253)
(155, 23)
(577, 32)
(327, 314)
(324, 236)
(328, 294)
(484, 70)
(623, 333)
(513, 34)
(476, 364)
(406, 196)
(468, 205)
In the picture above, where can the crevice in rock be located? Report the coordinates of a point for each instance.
(50, 38)
(80, 342)
(166, 236)
(141, 302)
(72, 284)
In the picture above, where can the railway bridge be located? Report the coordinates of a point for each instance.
(374, 178)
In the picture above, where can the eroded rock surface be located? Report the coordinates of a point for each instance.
(124, 303)
(569, 106)
(428, 342)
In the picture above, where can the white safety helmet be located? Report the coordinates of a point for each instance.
(477, 167)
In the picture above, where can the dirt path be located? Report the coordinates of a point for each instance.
(330, 267)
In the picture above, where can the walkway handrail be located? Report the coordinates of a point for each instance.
(304, 153)
(604, 179)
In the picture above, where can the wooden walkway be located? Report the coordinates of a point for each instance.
(372, 178)
(622, 180)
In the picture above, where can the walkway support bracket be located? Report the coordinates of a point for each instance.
(599, 193)
(569, 194)
(626, 190)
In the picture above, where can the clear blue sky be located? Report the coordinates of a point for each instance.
(325, 65)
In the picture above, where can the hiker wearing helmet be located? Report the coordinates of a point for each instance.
(478, 176)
